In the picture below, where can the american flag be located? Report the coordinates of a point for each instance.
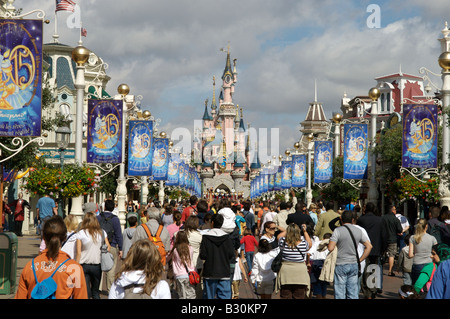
(65, 5)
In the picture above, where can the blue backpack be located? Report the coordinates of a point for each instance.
(46, 288)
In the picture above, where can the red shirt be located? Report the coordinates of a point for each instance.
(249, 242)
(187, 212)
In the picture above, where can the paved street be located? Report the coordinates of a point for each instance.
(29, 247)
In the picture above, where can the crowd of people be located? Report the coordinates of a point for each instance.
(207, 248)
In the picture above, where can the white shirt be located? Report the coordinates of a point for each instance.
(261, 269)
(117, 291)
(70, 245)
(90, 250)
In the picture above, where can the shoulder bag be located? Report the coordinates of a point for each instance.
(107, 258)
(356, 250)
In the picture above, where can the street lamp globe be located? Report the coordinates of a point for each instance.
(444, 60)
(147, 114)
(123, 89)
(80, 55)
(374, 93)
(337, 118)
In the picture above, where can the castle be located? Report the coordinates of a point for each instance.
(222, 153)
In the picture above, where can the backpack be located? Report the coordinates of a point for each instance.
(106, 223)
(157, 241)
(45, 289)
(445, 234)
(436, 231)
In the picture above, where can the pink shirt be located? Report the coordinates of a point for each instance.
(178, 267)
(173, 229)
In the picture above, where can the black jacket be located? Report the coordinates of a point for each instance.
(218, 253)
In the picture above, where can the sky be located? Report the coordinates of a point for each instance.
(169, 51)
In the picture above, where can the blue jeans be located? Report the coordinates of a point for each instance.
(249, 259)
(93, 276)
(216, 289)
(346, 283)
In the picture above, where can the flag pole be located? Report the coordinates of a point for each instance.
(55, 36)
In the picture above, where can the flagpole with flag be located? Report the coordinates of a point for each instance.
(62, 5)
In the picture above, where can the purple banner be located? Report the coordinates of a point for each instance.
(104, 140)
(420, 136)
(21, 77)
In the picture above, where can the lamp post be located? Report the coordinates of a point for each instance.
(310, 137)
(374, 94)
(337, 118)
(286, 193)
(444, 63)
(80, 56)
(121, 190)
(62, 141)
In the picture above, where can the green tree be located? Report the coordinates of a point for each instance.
(338, 190)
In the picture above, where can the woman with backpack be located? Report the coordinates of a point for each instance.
(90, 238)
(140, 275)
(54, 263)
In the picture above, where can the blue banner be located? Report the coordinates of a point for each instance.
(323, 161)
(160, 159)
(172, 176)
(104, 138)
(356, 157)
(298, 170)
(140, 138)
(420, 136)
(277, 183)
(286, 174)
(21, 77)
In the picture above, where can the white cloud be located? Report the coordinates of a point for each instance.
(168, 51)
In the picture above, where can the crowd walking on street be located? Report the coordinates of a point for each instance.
(210, 248)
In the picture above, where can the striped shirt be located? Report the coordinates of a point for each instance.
(293, 254)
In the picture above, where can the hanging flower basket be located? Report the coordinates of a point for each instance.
(72, 181)
(407, 187)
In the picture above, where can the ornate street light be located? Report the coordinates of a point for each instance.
(80, 56)
(310, 138)
(337, 118)
(62, 141)
(444, 63)
(374, 94)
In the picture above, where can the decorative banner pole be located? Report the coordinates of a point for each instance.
(80, 56)
(372, 196)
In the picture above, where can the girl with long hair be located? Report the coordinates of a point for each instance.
(89, 241)
(140, 275)
(182, 262)
(420, 246)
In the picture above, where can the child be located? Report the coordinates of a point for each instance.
(250, 243)
(128, 234)
(239, 274)
(181, 256)
(69, 245)
(261, 273)
(140, 274)
(318, 253)
(407, 292)
(404, 262)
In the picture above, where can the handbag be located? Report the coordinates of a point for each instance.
(276, 263)
(194, 277)
(107, 258)
(356, 249)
